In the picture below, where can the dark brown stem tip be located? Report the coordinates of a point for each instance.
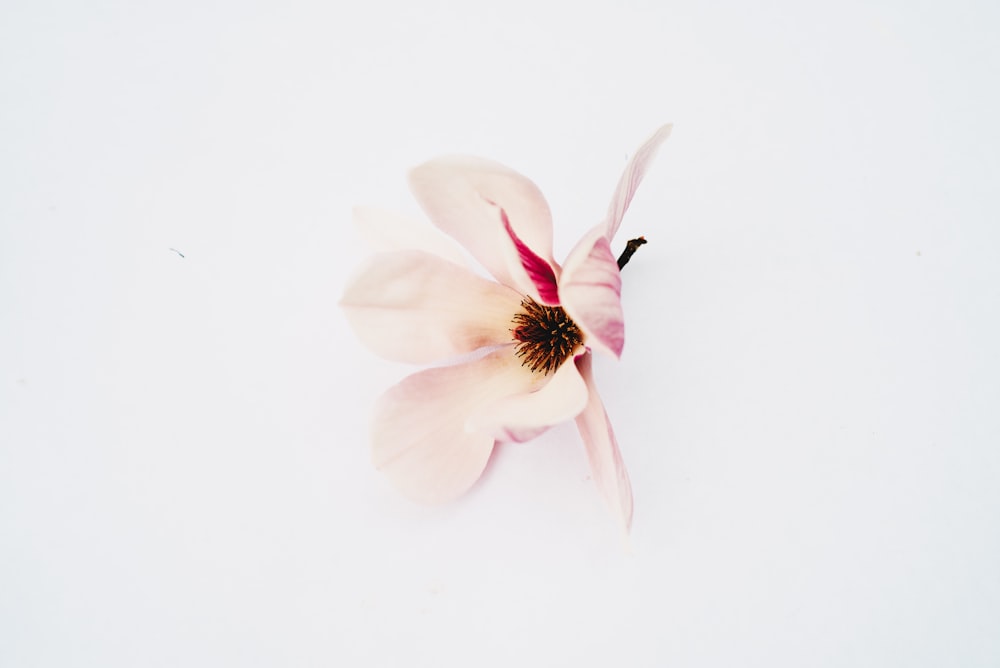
(630, 248)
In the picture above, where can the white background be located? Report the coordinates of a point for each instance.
(808, 401)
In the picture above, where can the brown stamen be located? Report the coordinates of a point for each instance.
(546, 336)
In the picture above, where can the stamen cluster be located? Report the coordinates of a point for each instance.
(546, 336)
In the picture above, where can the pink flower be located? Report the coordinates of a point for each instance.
(535, 326)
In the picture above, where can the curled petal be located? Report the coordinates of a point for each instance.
(521, 417)
(631, 178)
(590, 290)
(390, 231)
(420, 438)
(605, 459)
(462, 195)
(410, 306)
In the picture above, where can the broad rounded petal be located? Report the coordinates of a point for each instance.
(605, 459)
(464, 196)
(590, 290)
(390, 231)
(631, 178)
(420, 438)
(411, 306)
(523, 416)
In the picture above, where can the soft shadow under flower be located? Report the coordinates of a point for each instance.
(539, 322)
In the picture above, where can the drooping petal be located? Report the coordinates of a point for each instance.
(390, 231)
(463, 196)
(411, 306)
(605, 459)
(631, 178)
(420, 434)
(523, 416)
(590, 291)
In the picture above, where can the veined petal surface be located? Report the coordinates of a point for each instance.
(411, 306)
(590, 291)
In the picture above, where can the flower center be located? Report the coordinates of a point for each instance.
(546, 336)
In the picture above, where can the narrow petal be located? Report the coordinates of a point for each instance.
(523, 416)
(462, 195)
(411, 306)
(420, 438)
(631, 178)
(390, 231)
(605, 459)
(590, 290)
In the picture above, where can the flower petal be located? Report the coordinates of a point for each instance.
(521, 417)
(411, 306)
(420, 438)
(631, 178)
(603, 455)
(539, 271)
(590, 290)
(390, 231)
(461, 195)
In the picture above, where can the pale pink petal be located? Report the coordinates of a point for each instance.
(630, 179)
(420, 434)
(606, 465)
(540, 272)
(390, 231)
(523, 416)
(463, 195)
(411, 306)
(590, 291)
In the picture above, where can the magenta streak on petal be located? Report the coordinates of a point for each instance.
(539, 271)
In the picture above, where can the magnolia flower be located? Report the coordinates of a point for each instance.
(534, 327)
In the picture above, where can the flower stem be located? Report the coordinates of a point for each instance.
(630, 248)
